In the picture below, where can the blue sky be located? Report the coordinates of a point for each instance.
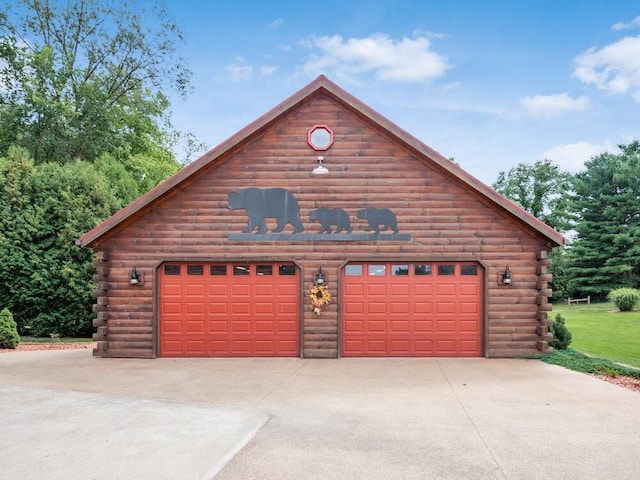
(491, 84)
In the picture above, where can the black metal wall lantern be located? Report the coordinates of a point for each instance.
(321, 279)
(506, 276)
(134, 277)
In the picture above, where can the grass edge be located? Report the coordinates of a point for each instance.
(581, 362)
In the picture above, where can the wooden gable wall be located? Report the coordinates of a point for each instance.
(368, 168)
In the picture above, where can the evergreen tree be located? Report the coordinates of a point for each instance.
(9, 337)
(43, 209)
(606, 253)
(561, 334)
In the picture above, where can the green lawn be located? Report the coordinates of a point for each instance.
(27, 339)
(601, 330)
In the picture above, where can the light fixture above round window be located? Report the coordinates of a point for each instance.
(320, 169)
(320, 137)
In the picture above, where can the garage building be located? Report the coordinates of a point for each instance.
(419, 258)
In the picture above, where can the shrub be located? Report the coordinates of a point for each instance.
(625, 298)
(9, 337)
(582, 363)
(561, 334)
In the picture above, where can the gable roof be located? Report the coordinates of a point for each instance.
(320, 85)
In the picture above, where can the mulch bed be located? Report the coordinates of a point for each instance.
(30, 347)
(621, 380)
(631, 383)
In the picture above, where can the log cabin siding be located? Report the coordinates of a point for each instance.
(368, 167)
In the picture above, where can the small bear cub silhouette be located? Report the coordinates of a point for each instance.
(377, 217)
(329, 217)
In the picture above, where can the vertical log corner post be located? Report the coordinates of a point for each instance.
(544, 305)
(101, 307)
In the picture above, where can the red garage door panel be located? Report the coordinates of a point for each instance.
(416, 310)
(213, 310)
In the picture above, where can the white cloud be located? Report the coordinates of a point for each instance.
(449, 87)
(239, 71)
(571, 157)
(428, 34)
(407, 60)
(624, 26)
(268, 70)
(276, 23)
(614, 68)
(547, 106)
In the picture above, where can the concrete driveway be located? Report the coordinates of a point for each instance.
(67, 415)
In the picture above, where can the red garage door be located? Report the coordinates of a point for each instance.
(412, 310)
(229, 310)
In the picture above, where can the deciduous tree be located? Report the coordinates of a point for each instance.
(81, 78)
(541, 189)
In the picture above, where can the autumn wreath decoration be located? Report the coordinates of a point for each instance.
(319, 297)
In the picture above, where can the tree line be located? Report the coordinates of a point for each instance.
(85, 129)
(598, 209)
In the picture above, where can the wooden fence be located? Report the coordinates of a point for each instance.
(577, 301)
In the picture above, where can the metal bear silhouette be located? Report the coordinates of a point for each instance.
(377, 217)
(329, 217)
(260, 204)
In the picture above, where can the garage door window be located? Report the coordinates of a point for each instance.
(377, 270)
(469, 270)
(195, 269)
(287, 270)
(217, 270)
(241, 270)
(446, 269)
(172, 269)
(399, 270)
(421, 269)
(264, 270)
(353, 270)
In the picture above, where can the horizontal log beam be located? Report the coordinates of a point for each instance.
(96, 322)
